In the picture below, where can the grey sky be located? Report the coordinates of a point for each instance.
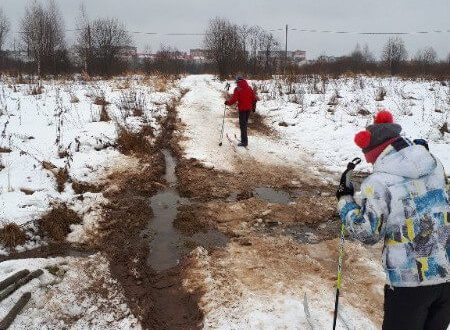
(192, 16)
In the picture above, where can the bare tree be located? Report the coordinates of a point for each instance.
(426, 56)
(101, 43)
(394, 54)
(268, 45)
(42, 30)
(225, 46)
(4, 29)
(84, 40)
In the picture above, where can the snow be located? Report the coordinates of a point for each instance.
(202, 112)
(77, 294)
(61, 126)
(319, 121)
(324, 125)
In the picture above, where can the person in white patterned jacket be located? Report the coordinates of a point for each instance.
(405, 203)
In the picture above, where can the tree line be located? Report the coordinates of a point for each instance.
(230, 49)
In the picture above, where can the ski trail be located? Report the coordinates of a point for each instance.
(201, 111)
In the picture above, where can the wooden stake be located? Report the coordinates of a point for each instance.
(13, 278)
(17, 308)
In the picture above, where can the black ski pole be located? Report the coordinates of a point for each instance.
(227, 87)
(345, 182)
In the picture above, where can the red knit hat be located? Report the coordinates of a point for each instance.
(374, 139)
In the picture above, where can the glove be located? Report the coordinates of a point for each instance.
(343, 190)
(226, 103)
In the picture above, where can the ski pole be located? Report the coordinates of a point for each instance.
(345, 180)
(223, 125)
(227, 87)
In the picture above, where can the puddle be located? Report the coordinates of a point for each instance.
(272, 195)
(168, 245)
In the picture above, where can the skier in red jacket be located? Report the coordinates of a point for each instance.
(246, 99)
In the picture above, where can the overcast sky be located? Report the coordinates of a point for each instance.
(192, 16)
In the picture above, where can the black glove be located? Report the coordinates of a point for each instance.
(345, 186)
(344, 191)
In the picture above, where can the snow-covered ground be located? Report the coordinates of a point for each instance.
(322, 118)
(60, 126)
(75, 293)
(261, 286)
(68, 126)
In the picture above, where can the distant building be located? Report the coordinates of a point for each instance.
(199, 55)
(296, 56)
(128, 52)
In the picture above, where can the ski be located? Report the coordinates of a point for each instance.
(344, 322)
(307, 312)
(233, 145)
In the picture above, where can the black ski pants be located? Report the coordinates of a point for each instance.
(418, 308)
(243, 124)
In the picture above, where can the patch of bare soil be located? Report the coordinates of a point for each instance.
(158, 299)
(279, 264)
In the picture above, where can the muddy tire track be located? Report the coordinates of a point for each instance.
(157, 299)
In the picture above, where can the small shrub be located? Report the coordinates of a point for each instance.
(36, 90)
(444, 129)
(61, 176)
(56, 223)
(129, 142)
(100, 100)
(74, 98)
(104, 114)
(11, 235)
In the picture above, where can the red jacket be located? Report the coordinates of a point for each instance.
(244, 96)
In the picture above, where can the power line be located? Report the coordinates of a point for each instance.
(291, 29)
(365, 33)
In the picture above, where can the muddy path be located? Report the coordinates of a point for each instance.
(140, 244)
(172, 204)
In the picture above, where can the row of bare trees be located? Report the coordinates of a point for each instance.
(233, 48)
(394, 60)
(230, 48)
(99, 47)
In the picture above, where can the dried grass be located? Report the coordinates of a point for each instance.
(56, 223)
(134, 143)
(11, 235)
(61, 176)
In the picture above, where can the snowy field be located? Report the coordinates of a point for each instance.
(64, 134)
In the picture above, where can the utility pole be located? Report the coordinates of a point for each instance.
(286, 49)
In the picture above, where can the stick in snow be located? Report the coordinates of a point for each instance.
(344, 322)
(17, 308)
(9, 290)
(13, 278)
(307, 313)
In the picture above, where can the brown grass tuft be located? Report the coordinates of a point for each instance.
(11, 235)
(104, 114)
(36, 90)
(56, 223)
(100, 100)
(134, 143)
(61, 176)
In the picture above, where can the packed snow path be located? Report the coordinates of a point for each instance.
(202, 112)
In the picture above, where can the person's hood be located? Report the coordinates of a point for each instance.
(411, 162)
(243, 84)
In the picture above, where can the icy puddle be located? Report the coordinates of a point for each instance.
(168, 244)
